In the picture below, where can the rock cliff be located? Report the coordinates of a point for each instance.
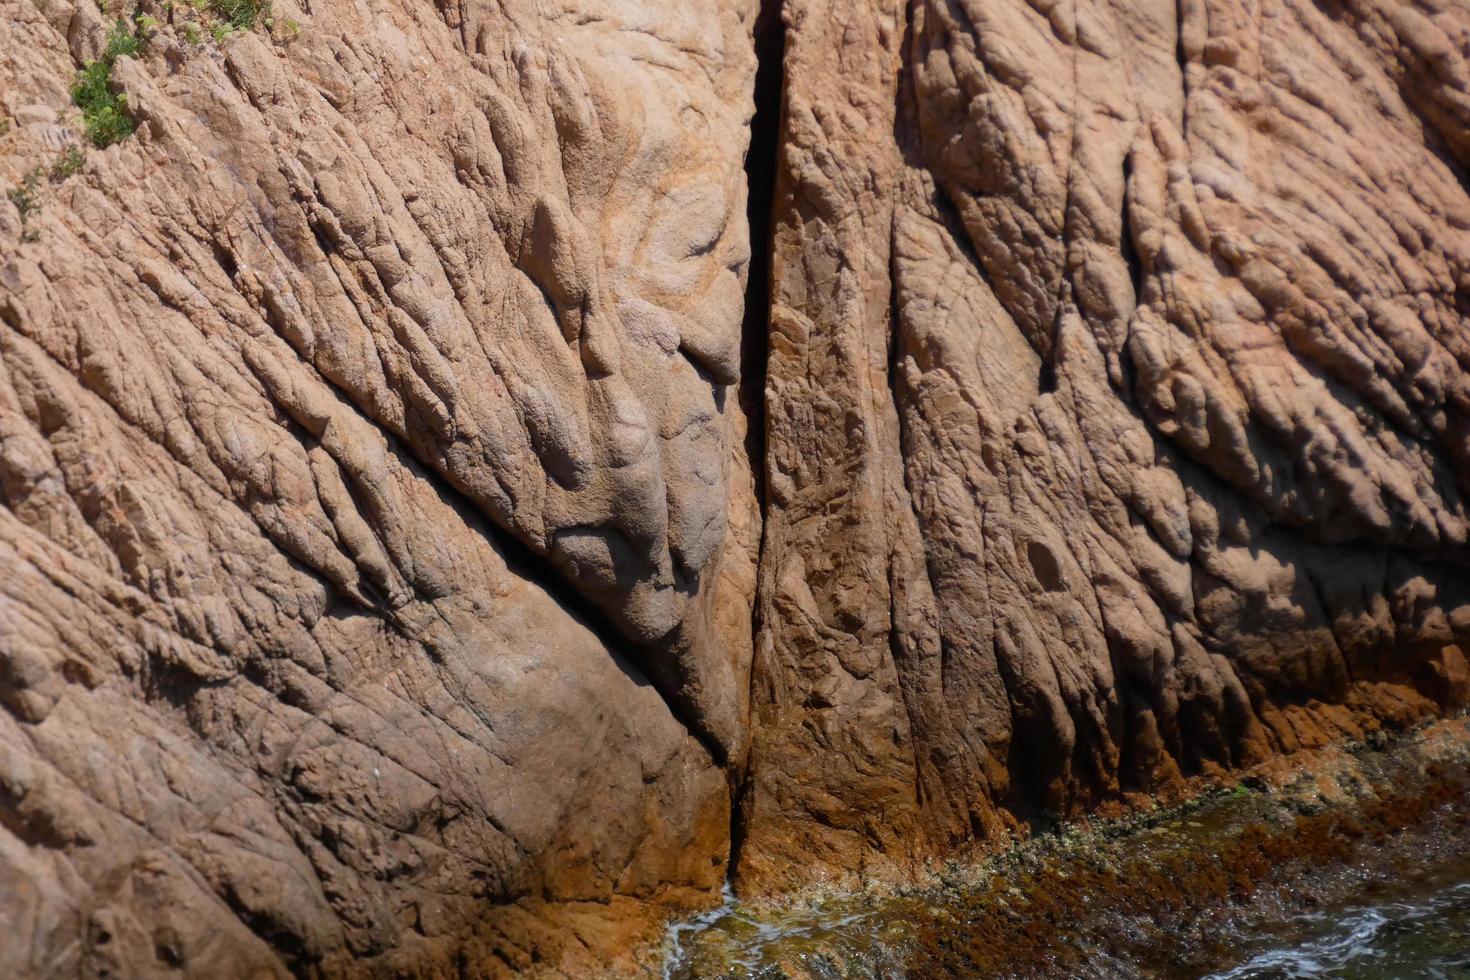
(476, 476)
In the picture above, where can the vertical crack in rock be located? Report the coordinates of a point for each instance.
(1125, 237)
(761, 163)
(1127, 229)
(896, 648)
(1182, 57)
(760, 173)
(903, 648)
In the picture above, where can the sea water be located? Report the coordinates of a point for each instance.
(1416, 928)
(1424, 931)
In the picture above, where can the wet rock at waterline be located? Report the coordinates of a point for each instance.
(1352, 861)
(477, 478)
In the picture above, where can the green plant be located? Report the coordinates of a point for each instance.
(26, 198)
(104, 112)
(240, 15)
(120, 42)
(191, 33)
(1238, 792)
(24, 194)
(68, 163)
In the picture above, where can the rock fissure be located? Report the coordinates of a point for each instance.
(761, 164)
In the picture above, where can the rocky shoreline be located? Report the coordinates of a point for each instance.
(479, 480)
(1168, 890)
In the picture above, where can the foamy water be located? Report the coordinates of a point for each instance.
(1425, 936)
(1423, 930)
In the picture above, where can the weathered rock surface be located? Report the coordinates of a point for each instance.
(390, 579)
(1118, 407)
(365, 439)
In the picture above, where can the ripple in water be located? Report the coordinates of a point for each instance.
(1427, 936)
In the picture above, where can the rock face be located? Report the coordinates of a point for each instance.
(391, 578)
(1118, 407)
(367, 447)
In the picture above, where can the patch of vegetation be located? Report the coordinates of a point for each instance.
(67, 164)
(104, 112)
(27, 200)
(223, 19)
(239, 15)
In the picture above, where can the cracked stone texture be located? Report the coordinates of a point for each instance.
(376, 535)
(1118, 410)
(390, 582)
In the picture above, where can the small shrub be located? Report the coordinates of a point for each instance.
(120, 42)
(240, 15)
(27, 200)
(223, 19)
(104, 112)
(67, 164)
(24, 194)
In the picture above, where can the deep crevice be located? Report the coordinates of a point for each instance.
(1125, 233)
(762, 163)
(1137, 276)
(1182, 57)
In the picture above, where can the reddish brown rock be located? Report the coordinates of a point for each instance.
(390, 579)
(366, 438)
(1169, 304)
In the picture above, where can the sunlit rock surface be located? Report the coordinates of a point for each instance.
(437, 533)
(1118, 409)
